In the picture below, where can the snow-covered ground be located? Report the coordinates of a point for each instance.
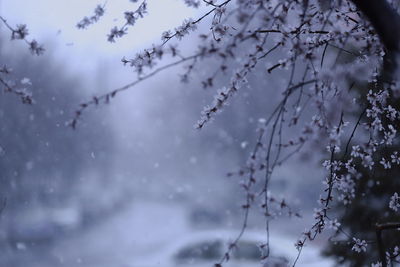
(142, 231)
(117, 241)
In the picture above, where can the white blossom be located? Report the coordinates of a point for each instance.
(334, 224)
(359, 245)
(394, 203)
(395, 157)
(385, 163)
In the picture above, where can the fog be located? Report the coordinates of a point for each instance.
(135, 178)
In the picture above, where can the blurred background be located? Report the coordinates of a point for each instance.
(135, 180)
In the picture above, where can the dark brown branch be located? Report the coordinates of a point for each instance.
(354, 131)
(292, 32)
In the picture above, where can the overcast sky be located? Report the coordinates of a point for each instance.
(49, 17)
(86, 53)
(54, 22)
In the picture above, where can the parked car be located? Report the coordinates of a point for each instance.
(40, 226)
(206, 248)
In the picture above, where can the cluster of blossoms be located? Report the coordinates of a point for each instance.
(392, 258)
(394, 203)
(359, 245)
(130, 19)
(20, 32)
(188, 25)
(221, 99)
(192, 3)
(148, 58)
(86, 21)
(9, 85)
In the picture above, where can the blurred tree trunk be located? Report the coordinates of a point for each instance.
(386, 21)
